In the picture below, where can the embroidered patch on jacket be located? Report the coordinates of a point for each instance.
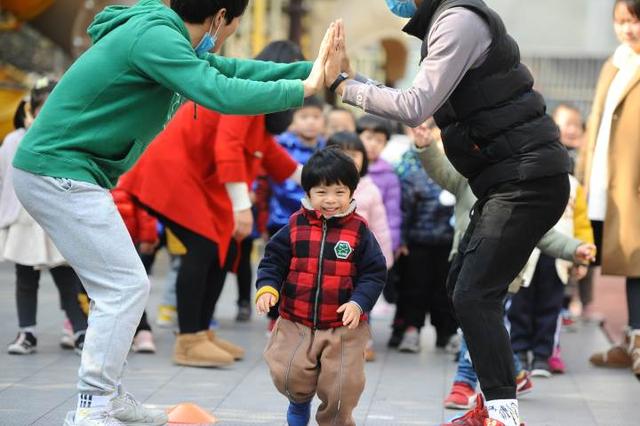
(342, 249)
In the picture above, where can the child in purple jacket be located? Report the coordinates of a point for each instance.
(375, 133)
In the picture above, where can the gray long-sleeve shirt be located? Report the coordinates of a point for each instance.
(458, 41)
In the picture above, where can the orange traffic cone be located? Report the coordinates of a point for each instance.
(190, 414)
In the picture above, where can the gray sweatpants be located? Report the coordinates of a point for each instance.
(84, 224)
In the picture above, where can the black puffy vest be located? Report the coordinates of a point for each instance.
(494, 125)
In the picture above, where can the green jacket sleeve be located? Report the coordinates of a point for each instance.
(259, 70)
(165, 56)
(442, 172)
(556, 244)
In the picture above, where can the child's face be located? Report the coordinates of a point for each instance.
(357, 158)
(374, 143)
(570, 124)
(340, 121)
(308, 123)
(330, 200)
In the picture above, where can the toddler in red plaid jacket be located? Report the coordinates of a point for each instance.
(327, 270)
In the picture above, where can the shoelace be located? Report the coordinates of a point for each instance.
(105, 416)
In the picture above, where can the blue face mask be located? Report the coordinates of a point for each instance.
(403, 8)
(207, 42)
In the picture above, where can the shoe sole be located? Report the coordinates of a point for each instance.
(408, 349)
(20, 352)
(524, 392)
(144, 351)
(202, 364)
(541, 373)
(454, 406)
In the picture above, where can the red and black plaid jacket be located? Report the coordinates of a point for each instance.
(318, 264)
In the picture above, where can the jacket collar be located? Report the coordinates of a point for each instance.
(418, 25)
(310, 212)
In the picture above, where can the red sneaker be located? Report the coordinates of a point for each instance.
(476, 417)
(479, 416)
(524, 384)
(461, 397)
(556, 363)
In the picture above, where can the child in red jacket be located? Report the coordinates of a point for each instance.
(143, 229)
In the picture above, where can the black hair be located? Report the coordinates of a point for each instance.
(374, 124)
(40, 92)
(20, 115)
(196, 11)
(282, 51)
(329, 166)
(349, 141)
(632, 5)
(313, 102)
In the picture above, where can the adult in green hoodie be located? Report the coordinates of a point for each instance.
(103, 113)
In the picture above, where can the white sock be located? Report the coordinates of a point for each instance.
(86, 400)
(504, 410)
(31, 330)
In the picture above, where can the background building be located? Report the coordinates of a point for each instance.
(563, 42)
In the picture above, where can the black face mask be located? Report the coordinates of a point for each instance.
(278, 122)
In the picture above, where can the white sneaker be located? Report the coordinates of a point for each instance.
(143, 343)
(25, 343)
(66, 340)
(410, 341)
(130, 412)
(94, 417)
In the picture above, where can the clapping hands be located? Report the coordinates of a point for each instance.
(331, 61)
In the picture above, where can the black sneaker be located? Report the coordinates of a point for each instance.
(24, 344)
(396, 337)
(78, 343)
(244, 311)
(540, 368)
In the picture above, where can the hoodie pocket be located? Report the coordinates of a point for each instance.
(113, 168)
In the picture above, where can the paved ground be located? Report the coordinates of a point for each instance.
(402, 389)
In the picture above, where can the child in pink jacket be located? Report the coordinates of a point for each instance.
(367, 195)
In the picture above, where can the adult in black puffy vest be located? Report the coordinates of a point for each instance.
(497, 134)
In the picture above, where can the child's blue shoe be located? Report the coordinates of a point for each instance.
(299, 414)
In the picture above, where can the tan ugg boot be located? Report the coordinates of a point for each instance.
(236, 351)
(196, 350)
(618, 356)
(634, 351)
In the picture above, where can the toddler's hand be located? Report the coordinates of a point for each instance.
(585, 254)
(350, 315)
(264, 303)
(579, 272)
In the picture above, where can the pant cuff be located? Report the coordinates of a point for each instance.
(507, 392)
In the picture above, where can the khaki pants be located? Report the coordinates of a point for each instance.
(304, 362)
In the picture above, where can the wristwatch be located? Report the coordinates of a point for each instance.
(341, 77)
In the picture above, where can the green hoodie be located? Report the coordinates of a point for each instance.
(116, 97)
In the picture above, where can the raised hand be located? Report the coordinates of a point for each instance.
(337, 58)
(585, 254)
(422, 136)
(315, 82)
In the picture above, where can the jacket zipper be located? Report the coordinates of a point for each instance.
(319, 281)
